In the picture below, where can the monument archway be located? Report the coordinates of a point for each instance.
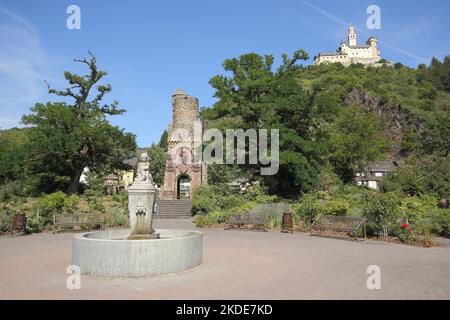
(183, 187)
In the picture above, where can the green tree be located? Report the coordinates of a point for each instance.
(163, 140)
(355, 140)
(157, 159)
(438, 73)
(422, 174)
(436, 134)
(157, 156)
(13, 154)
(409, 141)
(66, 138)
(255, 96)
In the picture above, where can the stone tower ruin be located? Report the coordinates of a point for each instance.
(183, 174)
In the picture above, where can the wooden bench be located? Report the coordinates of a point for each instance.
(247, 221)
(60, 221)
(351, 225)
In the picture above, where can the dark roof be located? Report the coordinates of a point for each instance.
(379, 166)
(359, 47)
(387, 165)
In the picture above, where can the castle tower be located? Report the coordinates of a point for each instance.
(351, 36)
(182, 173)
(184, 111)
(373, 43)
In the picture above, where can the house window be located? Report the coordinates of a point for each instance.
(378, 174)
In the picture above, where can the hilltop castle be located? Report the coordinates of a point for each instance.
(352, 53)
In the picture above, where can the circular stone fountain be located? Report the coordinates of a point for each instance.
(110, 254)
(140, 251)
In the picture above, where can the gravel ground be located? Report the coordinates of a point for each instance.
(237, 265)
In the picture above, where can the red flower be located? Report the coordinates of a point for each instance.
(405, 226)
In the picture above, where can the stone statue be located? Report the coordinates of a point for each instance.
(141, 200)
(143, 169)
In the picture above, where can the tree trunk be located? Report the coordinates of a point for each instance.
(75, 181)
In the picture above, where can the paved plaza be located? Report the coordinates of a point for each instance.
(237, 265)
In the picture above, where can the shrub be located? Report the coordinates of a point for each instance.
(121, 198)
(9, 191)
(116, 217)
(201, 221)
(54, 203)
(424, 217)
(232, 201)
(221, 198)
(275, 212)
(214, 203)
(265, 199)
(338, 207)
(34, 224)
(5, 221)
(328, 181)
(382, 212)
(216, 217)
(315, 204)
(209, 198)
(425, 174)
(310, 208)
(95, 204)
(244, 208)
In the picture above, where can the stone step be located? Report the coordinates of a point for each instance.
(175, 202)
(171, 216)
(173, 209)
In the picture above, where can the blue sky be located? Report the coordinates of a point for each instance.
(150, 48)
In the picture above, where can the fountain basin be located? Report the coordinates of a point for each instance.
(109, 254)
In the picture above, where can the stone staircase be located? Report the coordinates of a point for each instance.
(173, 209)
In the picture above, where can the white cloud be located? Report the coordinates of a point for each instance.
(24, 66)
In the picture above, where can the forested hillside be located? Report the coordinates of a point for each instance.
(333, 117)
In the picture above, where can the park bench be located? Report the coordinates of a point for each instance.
(350, 225)
(254, 220)
(67, 221)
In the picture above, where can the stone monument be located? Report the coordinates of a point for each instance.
(182, 174)
(141, 200)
